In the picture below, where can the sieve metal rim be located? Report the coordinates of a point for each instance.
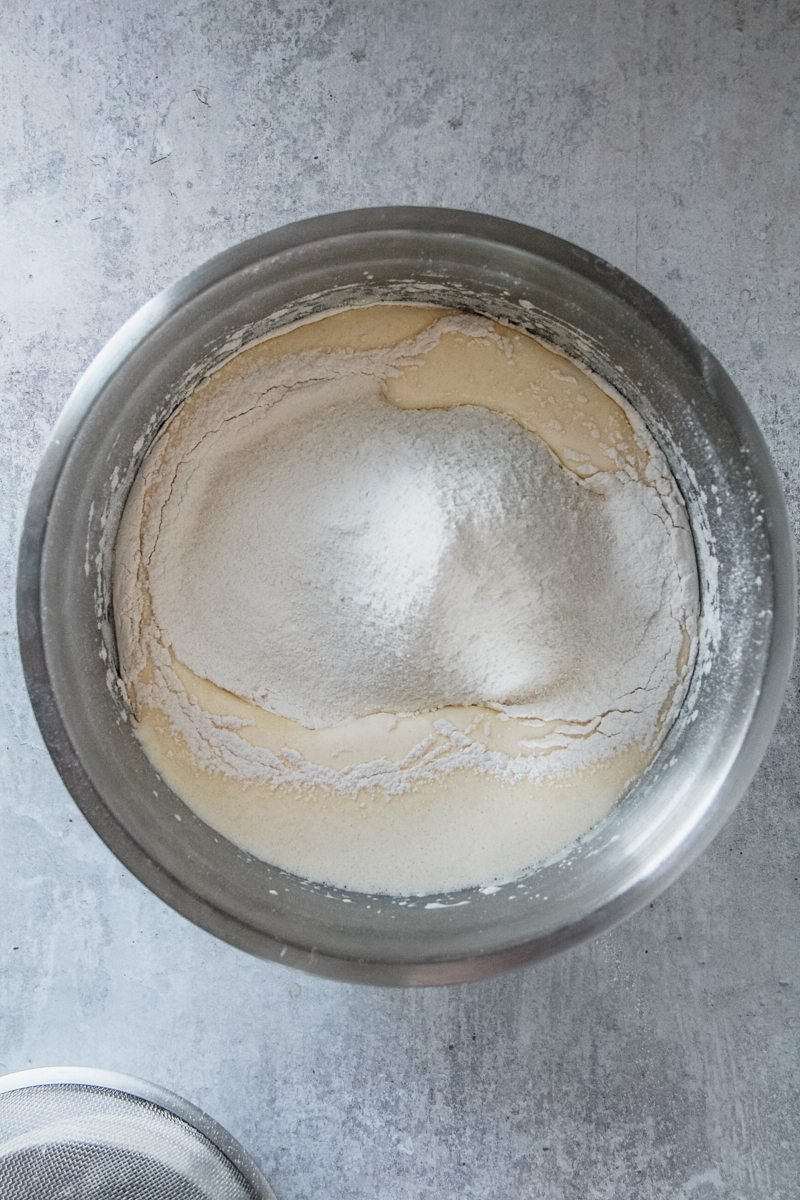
(151, 1093)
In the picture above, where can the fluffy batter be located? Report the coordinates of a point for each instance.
(404, 600)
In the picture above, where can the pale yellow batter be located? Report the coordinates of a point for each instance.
(296, 793)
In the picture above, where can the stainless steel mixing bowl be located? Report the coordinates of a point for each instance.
(517, 274)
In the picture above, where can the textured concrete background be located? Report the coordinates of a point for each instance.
(137, 139)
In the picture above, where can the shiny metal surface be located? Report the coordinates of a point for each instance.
(593, 311)
(80, 1131)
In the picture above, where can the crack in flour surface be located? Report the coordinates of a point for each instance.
(404, 600)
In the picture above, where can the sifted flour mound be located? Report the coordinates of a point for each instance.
(310, 544)
(344, 557)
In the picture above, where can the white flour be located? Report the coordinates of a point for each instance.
(438, 579)
(370, 559)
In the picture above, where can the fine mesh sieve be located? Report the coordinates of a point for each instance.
(73, 1134)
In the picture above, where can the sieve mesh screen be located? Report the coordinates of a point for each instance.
(68, 1141)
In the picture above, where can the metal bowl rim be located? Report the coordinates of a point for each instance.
(300, 235)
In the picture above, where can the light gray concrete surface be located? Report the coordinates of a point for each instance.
(136, 140)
